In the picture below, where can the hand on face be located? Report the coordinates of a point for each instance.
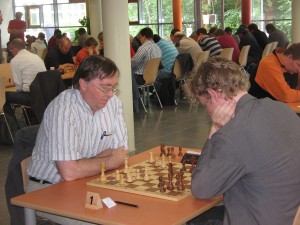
(223, 113)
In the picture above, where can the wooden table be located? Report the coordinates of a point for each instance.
(295, 106)
(9, 86)
(68, 199)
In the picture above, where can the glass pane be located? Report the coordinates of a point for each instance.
(48, 16)
(62, 1)
(167, 11)
(188, 11)
(69, 14)
(32, 2)
(133, 12)
(149, 12)
(34, 16)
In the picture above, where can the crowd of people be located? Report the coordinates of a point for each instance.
(251, 155)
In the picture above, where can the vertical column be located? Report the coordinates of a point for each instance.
(246, 12)
(95, 17)
(177, 14)
(116, 39)
(295, 17)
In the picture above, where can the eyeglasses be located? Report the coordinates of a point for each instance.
(106, 90)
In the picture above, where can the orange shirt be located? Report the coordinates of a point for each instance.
(270, 77)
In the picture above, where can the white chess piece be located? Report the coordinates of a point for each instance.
(146, 176)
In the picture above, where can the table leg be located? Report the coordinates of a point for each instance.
(30, 218)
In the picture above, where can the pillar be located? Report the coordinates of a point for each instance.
(295, 18)
(116, 39)
(94, 7)
(246, 12)
(177, 14)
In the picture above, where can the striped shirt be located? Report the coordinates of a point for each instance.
(147, 51)
(169, 53)
(212, 44)
(70, 131)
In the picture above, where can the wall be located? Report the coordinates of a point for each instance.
(7, 13)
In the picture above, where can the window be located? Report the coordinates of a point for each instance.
(33, 13)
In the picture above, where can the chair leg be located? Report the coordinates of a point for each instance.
(11, 136)
(143, 104)
(157, 96)
(26, 115)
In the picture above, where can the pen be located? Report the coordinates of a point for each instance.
(128, 204)
(104, 134)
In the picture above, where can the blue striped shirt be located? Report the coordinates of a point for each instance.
(169, 53)
(70, 131)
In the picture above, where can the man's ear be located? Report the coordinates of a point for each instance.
(216, 95)
(82, 84)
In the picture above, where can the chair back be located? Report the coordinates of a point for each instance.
(244, 55)
(226, 53)
(5, 71)
(45, 51)
(203, 57)
(274, 45)
(151, 70)
(267, 50)
(2, 92)
(177, 70)
(297, 217)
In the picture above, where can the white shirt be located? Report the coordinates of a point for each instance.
(70, 131)
(25, 66)
(38, 47)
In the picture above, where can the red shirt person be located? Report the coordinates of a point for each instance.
(17, 27)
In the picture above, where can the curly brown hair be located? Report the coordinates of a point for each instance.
(220, 75)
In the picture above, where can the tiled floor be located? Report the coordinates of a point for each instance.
(177, 126)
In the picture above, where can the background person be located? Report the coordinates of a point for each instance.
(252, 153)
(17, 27)
(89, 49)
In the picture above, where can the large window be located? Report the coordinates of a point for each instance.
(48, 15)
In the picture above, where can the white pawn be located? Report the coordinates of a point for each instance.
(118, 175)
(138, 176)
(126, 166)
(146, 176)
(151, 160)
(129, 177)
(102, 177)
(157, 162)
(122, 180)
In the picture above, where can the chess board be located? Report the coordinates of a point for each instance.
(148, 188)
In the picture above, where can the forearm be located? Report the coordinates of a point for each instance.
(77, 169)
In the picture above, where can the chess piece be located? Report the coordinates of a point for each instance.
(146, 175)
(160, 181)
(118, 175)
(162, 187)
(173, 153)
(138, 175)
(129, 177)
(151, 160)
(102, 176)
(169, 151)
(180, 152)
(122, 182)
(170, 183)
(162, 150)
(126, 165)
(170, 169)
(170, 159)
(183, 168)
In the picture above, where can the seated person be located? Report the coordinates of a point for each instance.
(60, 57)
(89, 49)
(277, 74)
(81, 128)
(252, 153)
(24, 66)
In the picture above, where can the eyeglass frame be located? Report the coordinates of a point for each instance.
(106, 90)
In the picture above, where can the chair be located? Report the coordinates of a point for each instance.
(226, 53)
(2, 102)
(44, 53)
(267, 50)
(179, 74)
(244, 57)
(150, 76)
(274, 45)
(297, 217)
(203, 57)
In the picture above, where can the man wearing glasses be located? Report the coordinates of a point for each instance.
(81, 128)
